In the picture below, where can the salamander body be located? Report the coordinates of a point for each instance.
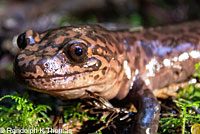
(67, 61)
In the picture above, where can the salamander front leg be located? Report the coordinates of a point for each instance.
(147, 118)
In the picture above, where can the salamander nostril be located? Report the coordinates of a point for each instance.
(46, 65)
(21, 41)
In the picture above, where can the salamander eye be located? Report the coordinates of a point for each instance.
(21, 41)
(77, 52)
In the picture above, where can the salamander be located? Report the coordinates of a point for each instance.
(121, 64)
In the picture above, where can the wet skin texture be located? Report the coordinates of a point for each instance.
(135, 65)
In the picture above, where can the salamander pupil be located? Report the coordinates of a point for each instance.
(78, 51)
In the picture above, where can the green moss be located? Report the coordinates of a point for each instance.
(186, 118)
(188, 102)
(72, 112)
(23, 113)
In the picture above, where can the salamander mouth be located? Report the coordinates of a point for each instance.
(68, 92)
(55, 76)
(47, 77)
(73, 93)
(60, 89)
(56, 83)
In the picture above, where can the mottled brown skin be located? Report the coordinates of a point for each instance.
(114, 64)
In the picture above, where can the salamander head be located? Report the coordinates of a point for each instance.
(67, 61)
